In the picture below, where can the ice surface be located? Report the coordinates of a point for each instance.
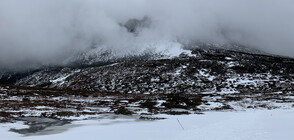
(253, 125)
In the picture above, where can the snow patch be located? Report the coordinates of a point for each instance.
(253, 125)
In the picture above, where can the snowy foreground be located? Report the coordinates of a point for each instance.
(249, 125)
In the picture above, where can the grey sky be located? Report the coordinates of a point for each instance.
(48, 32)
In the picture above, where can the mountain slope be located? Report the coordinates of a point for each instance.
(208, 70)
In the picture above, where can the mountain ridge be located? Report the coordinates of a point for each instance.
(206, 70)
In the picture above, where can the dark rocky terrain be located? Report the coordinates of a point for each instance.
(208, 79)
(206, 71)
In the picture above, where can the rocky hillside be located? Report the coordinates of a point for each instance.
(205, 70)
(201, 80)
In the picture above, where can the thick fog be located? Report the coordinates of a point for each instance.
(49, 32)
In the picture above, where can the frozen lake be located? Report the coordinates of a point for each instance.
(247, 125)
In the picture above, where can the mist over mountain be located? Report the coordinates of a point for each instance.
(35, 33)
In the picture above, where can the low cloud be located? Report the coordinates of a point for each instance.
(34, 33)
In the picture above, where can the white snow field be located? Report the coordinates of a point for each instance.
(246, 125)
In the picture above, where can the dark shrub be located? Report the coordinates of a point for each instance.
(148, 104)
(177, 112)
(122, 110)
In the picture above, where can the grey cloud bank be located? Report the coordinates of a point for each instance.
(49, 32)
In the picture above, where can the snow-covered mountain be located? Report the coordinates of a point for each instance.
(201, 79)
(205, 69)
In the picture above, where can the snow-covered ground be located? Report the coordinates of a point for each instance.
(249, 125)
